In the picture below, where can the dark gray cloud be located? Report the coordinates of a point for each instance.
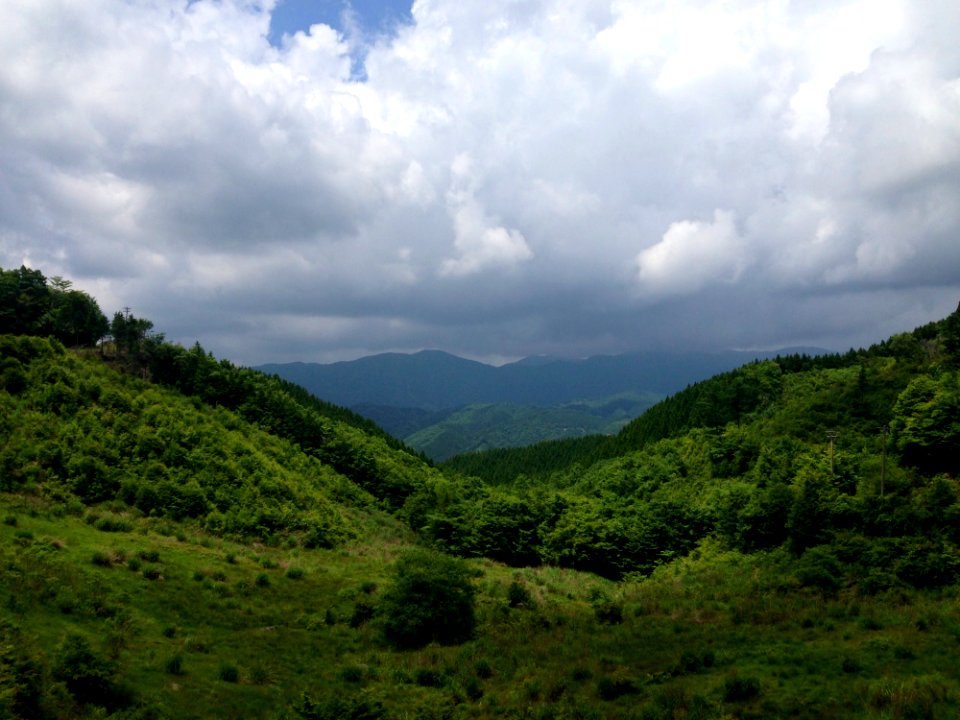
(509, 178)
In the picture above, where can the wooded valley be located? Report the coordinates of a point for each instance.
(185, 538)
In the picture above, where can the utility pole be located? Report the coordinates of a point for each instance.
(884, 431)
(832, 435)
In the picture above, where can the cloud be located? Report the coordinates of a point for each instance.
(693, 254)
(479, 243)
(503, 179)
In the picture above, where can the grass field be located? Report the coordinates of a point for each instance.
(201, 627)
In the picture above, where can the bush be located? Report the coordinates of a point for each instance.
(518, 595)
(738, 689)
(174, 665)
(106, 524)
(431, 600)
(87, 676)
(228, 673)
(609, 613)
(352, 674)
(428, 677)
(820, 568)
(613, 688)
(294, 573)
(362, 612)
(483, 669)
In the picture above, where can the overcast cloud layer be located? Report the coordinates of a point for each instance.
(512, 177)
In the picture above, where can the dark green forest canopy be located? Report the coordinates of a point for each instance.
(30, 304)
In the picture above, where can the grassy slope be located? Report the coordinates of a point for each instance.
(690, 635)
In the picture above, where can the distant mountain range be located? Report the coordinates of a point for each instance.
(421, 397)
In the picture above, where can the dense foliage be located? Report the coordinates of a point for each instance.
(74, 429)
(853, 455)
(30, 304)
(431, 599)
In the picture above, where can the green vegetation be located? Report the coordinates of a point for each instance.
(182, 538)
(496, 425)
(431, 599)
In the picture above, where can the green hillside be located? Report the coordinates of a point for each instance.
(496, 425)
(182, 538)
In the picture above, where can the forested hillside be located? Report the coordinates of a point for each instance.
(444, 405)
(834, 452)
(183, 538)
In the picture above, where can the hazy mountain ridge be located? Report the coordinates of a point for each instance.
(422, 397)
(435, 380)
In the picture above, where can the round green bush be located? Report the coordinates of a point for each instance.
(431, 599)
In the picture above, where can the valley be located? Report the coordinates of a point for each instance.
(185, 538)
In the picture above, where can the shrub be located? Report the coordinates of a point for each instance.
(613, 688)
(483, 669)
(294, 573)
(228, 672)
(362, 612)
(106, 524)
(174, 665)
(472, 688)
(87, 676)
(352, 674)
(428, 677)
(740, 689)
(149, 555)
(431, 599)
(263, 580)
(820, 568)
(101, 559)
(518, 595)
(851, 665)
(609, 613)
(579, 674)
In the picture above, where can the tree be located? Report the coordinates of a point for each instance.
(24, 301)
(88, 677)
(926, 423)
(431, 600)
(76, 318)
(128, 331)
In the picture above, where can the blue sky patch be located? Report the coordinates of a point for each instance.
(374, 17)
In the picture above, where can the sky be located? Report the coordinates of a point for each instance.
(494, 178)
